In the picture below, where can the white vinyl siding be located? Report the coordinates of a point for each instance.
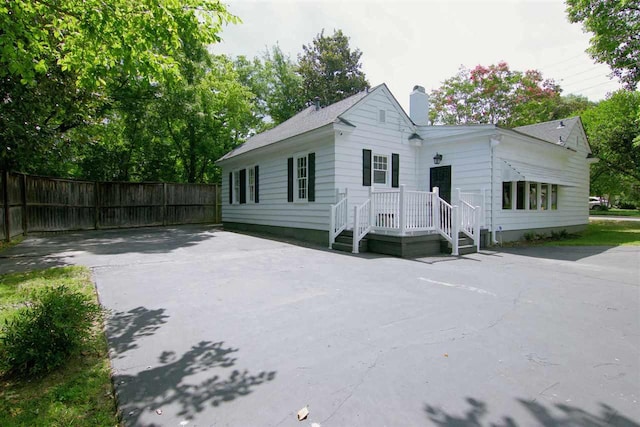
(567, 204)
(273, 208)
(383, 139)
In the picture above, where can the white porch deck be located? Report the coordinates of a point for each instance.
(405, 213)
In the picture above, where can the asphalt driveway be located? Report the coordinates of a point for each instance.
(211, 328)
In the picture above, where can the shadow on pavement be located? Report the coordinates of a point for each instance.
(558, 415)
(560, 253)
(169, 384)
(54, 250)
(123, 329)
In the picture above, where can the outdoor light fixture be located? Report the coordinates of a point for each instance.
(437, 159)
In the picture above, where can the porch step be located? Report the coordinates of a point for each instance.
(344, 242)
(465, 245)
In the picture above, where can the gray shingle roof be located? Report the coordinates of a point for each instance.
(305, 121)
(551, 131)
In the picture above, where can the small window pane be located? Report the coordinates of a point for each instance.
(302, 177)
(252, 184)
(533, 196)
(554, 197)
(520, 195)
(506, 195)
(236, 187)
(544, 200)
(380, 168)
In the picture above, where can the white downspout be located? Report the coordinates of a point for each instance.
(495, 140)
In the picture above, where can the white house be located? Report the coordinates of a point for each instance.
(363, 165)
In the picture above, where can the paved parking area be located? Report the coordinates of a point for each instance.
(211, 328)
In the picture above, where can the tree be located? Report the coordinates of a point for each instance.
(62, 62)
(613, 129)
(330, 70)
(615, 26)
(284, 93)
(494, 94)
(100, 39)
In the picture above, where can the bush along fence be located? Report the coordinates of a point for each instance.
(40, 204)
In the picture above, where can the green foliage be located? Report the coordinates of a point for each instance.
(613, 129)
(615, 26)
(495, 94)
(284, 94)
(604, 233)
(330, 70)
(64, 67)
(41, 336)
(98, 40)
(78, 393)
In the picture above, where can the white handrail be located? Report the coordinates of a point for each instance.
(339, 218)
(476, 199)
(361, 224)
(447, 223)
(470, 217)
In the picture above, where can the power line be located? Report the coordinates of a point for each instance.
(592, 87)
(578, 82)
(562, 62)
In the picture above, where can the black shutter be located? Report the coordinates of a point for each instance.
(312, 177)
(230, 188)
(395, 170)
(243, 186)
(256, 181)
(366, 168)
(290, 179)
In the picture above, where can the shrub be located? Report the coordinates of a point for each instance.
(560, 235)
(42, 336)
(529, 236)
(627, 205)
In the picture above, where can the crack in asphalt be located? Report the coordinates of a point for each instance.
(353, 390)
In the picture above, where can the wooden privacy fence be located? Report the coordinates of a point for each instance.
(36, 204)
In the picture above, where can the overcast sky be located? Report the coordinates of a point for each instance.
(405, 43)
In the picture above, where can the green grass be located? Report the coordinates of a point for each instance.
(6, 245)
(79, 394)
(615, 212)
(603, 233)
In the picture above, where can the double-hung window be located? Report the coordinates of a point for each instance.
(302, 178)
(236, 187)
(251, 184)
(380, 169)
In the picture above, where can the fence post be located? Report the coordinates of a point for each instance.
(164, 203)
(7, 205)
(96, 202)
(25, 221)
(403, 219)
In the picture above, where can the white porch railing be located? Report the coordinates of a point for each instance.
(361, 223)
(476, 199)
(472, 213)
(402, 212)
(339, 217)
(446, 221)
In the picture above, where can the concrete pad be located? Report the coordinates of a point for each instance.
(211, 328)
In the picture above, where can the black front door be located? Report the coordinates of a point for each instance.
(441, 177)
